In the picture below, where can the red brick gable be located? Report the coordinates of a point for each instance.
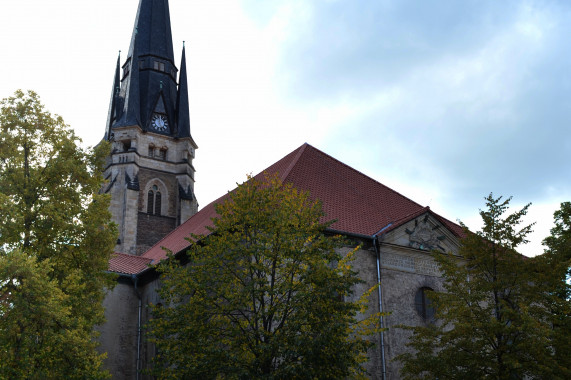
(357, 203)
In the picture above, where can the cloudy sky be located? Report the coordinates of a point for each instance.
(444, 101)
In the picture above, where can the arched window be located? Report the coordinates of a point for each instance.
(154, 201)
(423, 303)
(150, 201)
(157, 202)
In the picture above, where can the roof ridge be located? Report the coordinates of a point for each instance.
(136, 257)
(300, 150)
(366, 176)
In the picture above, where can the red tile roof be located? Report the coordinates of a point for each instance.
(359, 204)
(128, 264)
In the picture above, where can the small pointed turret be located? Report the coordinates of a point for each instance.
(131, 95)
(113, 106)
(182, 105)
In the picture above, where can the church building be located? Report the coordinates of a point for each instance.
(150, 177)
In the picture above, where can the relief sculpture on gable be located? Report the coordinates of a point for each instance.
(424, 236)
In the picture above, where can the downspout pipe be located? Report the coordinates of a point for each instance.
(378, 256)
(375, 240)
(135, 280)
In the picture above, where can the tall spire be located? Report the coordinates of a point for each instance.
(152, 32)
(182, 105)
(149, 88)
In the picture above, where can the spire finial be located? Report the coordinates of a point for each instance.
(183, 43)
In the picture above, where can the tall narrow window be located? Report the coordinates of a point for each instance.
(151, 150)
(150, 201)
(163, 154)
(423, 304)
(158, 203)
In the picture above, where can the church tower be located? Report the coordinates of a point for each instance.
(149, 171)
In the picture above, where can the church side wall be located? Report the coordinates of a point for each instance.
(119, 334)
(400, 287)
(364, 264)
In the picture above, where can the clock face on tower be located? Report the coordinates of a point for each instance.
(159, 123)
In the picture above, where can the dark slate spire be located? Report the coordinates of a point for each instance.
(182, 105)
(152, 33)
(112, 114)
(148, 86)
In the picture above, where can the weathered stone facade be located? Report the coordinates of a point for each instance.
(141, 162)
(404, 269)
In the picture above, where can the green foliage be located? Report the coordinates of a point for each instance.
(55, 241)
(263, 296)
(555, 272)
(494, 320)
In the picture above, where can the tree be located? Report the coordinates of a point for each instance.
(493, 320)
(555, 273)
(264, 295)
(55, 241)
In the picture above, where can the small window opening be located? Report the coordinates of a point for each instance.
(151, 150)
(159, 66)
(126, 145)
(423, 303)
(163, 154)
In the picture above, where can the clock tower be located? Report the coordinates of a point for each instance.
(150, 172)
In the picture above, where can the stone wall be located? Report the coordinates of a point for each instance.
(151, 229)
(137, 162)
(404, 270)
(119, 334)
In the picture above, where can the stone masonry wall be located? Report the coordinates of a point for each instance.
(151, 229)
(119, 334)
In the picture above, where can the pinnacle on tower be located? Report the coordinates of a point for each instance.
(182, 105)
